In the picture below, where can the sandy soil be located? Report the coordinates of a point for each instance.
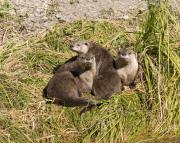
(41, 14)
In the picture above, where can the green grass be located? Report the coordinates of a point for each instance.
(150, 111)
(4, 8)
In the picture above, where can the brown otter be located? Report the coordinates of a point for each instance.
(110, 82)
(66, 89)
(107, 80)
(104, 60)
(127, 66)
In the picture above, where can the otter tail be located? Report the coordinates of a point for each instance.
(73, 102)
(78, 101)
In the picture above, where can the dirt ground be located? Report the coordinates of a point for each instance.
(40, 14)
(31, 17)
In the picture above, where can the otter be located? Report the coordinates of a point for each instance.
(104, 60)
(113, 81)
(66, 89)
(107, 80)
(106, 84)
(126, 64)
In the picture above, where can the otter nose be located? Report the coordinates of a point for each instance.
(123, 54)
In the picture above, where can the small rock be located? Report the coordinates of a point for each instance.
(125, 17)
(44, 18)
(59, 17)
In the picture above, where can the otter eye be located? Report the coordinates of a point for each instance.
(86, 43)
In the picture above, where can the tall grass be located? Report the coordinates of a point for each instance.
(161, 60)
(150, 111)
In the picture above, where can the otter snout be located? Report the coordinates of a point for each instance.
(123, 54)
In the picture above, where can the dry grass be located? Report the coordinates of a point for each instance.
(150, 111)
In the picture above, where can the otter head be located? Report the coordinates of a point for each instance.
(80, 46)
(127, 55)
(87, 58)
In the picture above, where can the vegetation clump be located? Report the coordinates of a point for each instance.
(150, 111)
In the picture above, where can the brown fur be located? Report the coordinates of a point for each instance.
(107, 84)
(66, 89)
(104, 60)
(127, 66)
(106, 81)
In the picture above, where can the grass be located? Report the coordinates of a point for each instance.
(4, 8)
(150, 111)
